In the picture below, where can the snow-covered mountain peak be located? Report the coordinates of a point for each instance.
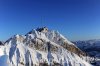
(43, 46)
(42, 37)
(42, 29)
(47, 34)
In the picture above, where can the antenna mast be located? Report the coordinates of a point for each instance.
(42, 21)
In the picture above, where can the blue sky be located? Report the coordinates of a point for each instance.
(75, 19)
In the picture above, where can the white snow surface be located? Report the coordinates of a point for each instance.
(17, 52)
(3, 57)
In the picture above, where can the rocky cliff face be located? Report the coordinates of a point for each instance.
(42, 47)
(1, 43)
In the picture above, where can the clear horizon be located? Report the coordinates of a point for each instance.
(75, 19)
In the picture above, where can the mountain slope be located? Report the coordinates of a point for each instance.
(43, 47)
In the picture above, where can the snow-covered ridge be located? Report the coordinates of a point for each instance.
(42, 46)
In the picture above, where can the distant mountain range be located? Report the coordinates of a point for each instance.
(92, 48)
(41, 47)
